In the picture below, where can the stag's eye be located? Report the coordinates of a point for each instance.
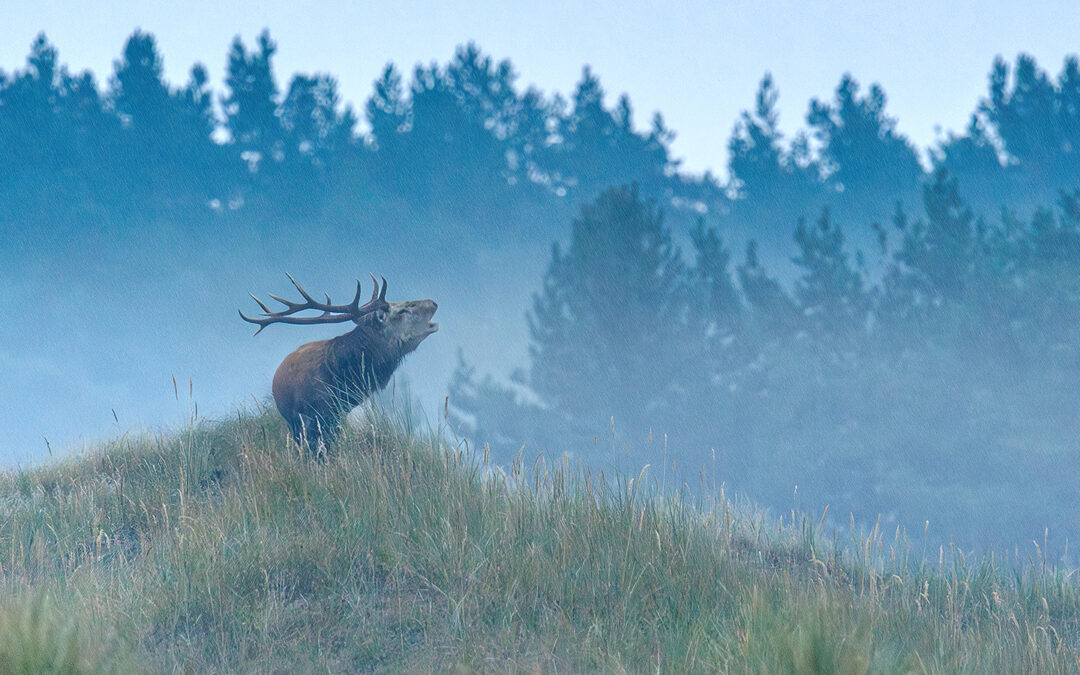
(380, 316)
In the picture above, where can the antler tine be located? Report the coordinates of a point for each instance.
(302, 291)
(265, 309)
(266, 321)
(297, 306)
(288, 303)
(355, 304)
(263, 323)
(375, 290)
(378, 298)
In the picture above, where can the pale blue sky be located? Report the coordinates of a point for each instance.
(698, 62)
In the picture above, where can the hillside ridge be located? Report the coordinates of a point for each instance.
(220, 548)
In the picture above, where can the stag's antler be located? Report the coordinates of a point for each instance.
(330, 313)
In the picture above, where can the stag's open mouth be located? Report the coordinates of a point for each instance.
(429, 308)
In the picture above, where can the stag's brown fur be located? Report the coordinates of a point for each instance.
(319, 382)
(316, 385)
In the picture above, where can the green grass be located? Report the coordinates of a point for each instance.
(222, 549)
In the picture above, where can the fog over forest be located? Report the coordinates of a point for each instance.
(834, 323)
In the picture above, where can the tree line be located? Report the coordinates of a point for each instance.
(464, 137)
(917, 352)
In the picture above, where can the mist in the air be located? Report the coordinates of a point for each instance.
(836, 322)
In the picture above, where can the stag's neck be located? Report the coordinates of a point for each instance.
(360, 359)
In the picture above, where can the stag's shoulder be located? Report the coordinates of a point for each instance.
(306, 358)
(316, 349)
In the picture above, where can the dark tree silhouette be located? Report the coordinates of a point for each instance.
(598, 147)
(461, 119)
(762, 170)
(830, 293)
(607, 328)
(55, 136)
(316, 127)
(772, 186)
(251, 103)
(867, 164)
(389, 115)
(1038, 122)
(165, 149)
(770, 308)
(711, 283)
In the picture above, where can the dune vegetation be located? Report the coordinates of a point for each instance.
(221, 548)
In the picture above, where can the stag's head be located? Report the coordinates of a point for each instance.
(396, 327)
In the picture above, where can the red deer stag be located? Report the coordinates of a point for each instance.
(321, 381)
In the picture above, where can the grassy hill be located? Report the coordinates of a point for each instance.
(220, 549)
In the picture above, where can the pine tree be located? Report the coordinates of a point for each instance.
(55, 135)
(771, 185)
(868, 165)
(461, 117)
(711, 282)
(387, 109)
(389, 114)
(1038, 123)
(1023, 116)
(608, 330)
(139, 93)
(251, 103)
(166, 153)
(972, 157)
(944, 285)
(771, 313)
(32, 99)
(830, 293)
(315, 126)
(761, 169)
(716, 318)
(598, 147)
